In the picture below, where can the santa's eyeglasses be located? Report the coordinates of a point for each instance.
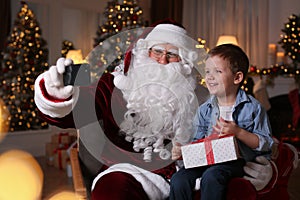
(158, 53)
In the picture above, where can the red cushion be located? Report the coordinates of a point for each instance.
(118, 185)
(238, 188)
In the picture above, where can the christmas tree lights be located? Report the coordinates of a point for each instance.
(24, 58)
(115, 35)
(66, 47)
(120, 15)
(290, 40)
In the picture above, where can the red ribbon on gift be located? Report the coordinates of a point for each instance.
(209, 152)
(208, 147)
(58, 151)
(59, 159)
(60, 135)
(213, 137)
(61, 147)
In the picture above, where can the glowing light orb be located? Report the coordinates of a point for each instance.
(66, 195)
(4, 120)
(21, 177)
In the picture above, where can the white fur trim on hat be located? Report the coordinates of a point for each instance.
(171, 34)
(53, 109)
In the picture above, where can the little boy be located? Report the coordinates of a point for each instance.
(229, 111)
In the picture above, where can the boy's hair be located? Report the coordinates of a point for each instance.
(236, 57)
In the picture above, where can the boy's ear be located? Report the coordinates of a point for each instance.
(238, 78)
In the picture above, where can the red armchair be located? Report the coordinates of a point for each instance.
(283, 164)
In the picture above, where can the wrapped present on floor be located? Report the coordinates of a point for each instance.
(61, 158)
(211, 150)
(62, 138)
(50, 151)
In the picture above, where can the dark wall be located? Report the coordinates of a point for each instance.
(161, 9)
(5, 20)
(280, 115)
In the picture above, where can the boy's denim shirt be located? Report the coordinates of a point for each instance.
(247, 114)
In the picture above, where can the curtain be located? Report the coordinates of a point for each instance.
(246, 19)
(5, 20)
(62, 20)
(161, 9)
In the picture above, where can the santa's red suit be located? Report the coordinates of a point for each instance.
(112, 166)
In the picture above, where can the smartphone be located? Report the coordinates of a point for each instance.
(77, 75)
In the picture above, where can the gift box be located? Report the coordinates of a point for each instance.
(210, 151)
(62, 138)
(60, 158)
(49, 151)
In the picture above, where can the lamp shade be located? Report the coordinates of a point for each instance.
(75, 55)
(227, 39)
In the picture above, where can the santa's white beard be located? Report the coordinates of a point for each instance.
(161, 105)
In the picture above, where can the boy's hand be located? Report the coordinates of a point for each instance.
(176, 151)
(224, 127)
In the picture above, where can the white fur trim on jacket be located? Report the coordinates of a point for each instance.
(154, 185)
(50, 108)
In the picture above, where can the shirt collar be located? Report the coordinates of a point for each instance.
(240, 98)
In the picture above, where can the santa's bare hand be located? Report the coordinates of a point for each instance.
(54, 80)
(176, 151)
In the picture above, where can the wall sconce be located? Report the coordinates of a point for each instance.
(75, 55)
(227, 39)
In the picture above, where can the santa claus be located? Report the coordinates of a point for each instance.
(153, 91)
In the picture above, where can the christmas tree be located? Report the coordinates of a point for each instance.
(290, 40)
(24, 58)
(66, 47)
(120, 15)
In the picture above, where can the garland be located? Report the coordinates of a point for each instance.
(288, 71)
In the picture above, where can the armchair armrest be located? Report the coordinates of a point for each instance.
(78, 183)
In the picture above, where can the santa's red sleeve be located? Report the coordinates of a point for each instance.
(96, 103)
(85, 100)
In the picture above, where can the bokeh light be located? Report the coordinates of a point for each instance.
(66, 195)
(21, 177)
(4, 120)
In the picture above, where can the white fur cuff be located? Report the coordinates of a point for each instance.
(51, 108)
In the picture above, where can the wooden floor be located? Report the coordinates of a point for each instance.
(55, 180)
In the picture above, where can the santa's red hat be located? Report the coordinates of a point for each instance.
(165, 31)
